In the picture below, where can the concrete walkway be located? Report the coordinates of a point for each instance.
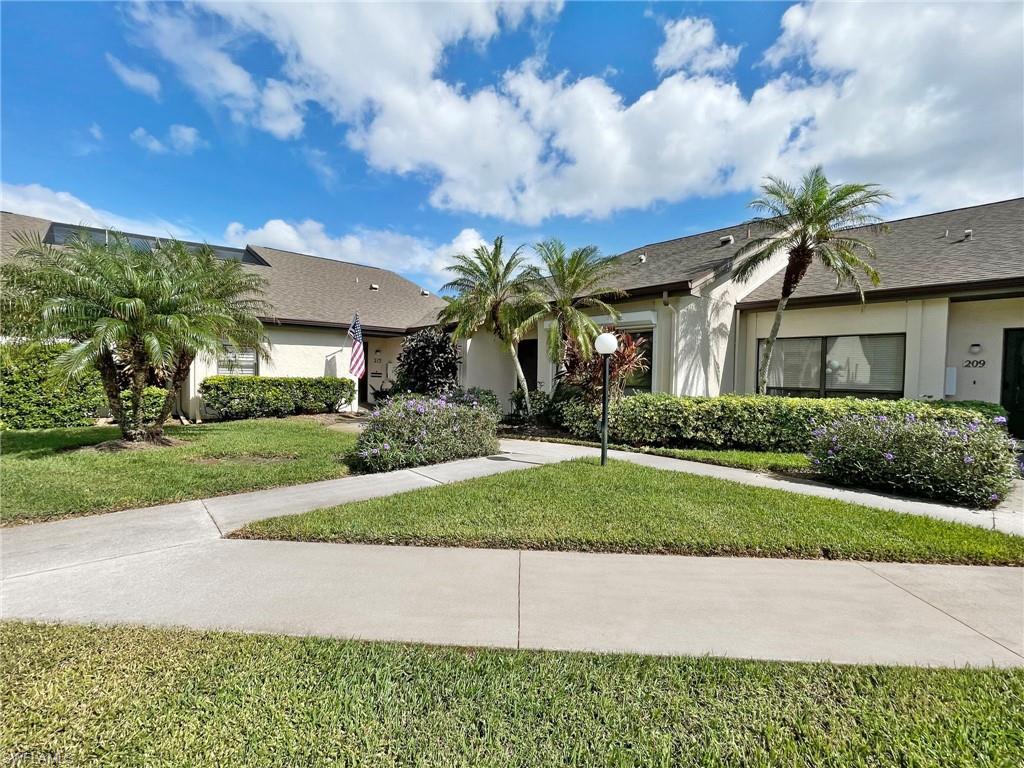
(169, 566)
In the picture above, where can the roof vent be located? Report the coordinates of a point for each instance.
(641, 259)
(968, 234)
(727, 240)
(374, 287)
(424, 292)
(946, 233)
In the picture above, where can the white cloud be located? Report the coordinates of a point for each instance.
(181, 139)
(147, 141)
(96, 132)
(280, 110)
(690, 45)
(137, 79)
(46, 203)
(414, 256)
(898, 94)
(184, 139)
(317, 160)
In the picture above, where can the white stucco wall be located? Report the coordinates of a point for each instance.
(487, 364)
(980, 322)
(381, 361)
(923, 321)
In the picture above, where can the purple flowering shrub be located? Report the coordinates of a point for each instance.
(970, 463)
(411, 431)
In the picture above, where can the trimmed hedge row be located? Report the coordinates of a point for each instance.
(30, 399)
(253, 397)
(755, 422)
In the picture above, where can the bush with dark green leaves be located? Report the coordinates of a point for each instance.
(152, 401)
(253, 397)
(972, 463)
(477, 396)
(756, 422)
(31, 398)
(414, 431)
(428, 363)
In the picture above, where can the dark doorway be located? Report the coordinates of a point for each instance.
(1012, 397)
(364, 389)
(528, 360)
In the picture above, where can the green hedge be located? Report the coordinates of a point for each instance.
(755, 422)
(252, 397)
(30, 399)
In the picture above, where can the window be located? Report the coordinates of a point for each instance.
(642, 381)
(237, 362)
(837, 366)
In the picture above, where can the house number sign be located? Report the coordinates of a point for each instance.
(976, 363)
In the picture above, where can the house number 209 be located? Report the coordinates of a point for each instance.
(974, 363)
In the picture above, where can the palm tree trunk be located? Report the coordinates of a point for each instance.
(108, 375)
(156, 429)
(769, 345)
(521, 377)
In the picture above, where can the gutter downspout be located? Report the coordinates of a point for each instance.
(672, 343)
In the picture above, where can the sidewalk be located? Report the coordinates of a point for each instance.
(169, 566)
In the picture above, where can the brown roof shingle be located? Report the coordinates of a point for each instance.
(308, 290)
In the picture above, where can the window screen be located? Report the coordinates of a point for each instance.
(237, 362)
(795, 364)
(869, 365)
(865, 363)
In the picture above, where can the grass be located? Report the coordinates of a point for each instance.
(625, 507)
(42, 478)
(758, 461)
(132, 696)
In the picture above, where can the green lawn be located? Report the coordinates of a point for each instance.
(131, 696)
(624, 507)
(43, 478)
(759, 461)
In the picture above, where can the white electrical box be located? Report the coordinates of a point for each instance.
(950, 381)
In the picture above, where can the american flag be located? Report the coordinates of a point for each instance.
(357, 362)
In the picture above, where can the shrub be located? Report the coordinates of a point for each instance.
(413, 431)
(478, 396)
(428, 363)
(540, 402)
(972, 463)
(31, 399)
(586, 374)
(152, 401)
(983, 407)
(756, 422)
(252, 397)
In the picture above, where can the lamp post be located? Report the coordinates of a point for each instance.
(605, 345)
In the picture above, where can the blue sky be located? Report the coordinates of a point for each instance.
(395, 135)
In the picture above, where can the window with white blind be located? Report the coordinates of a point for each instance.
(837, 366)
(237, 362)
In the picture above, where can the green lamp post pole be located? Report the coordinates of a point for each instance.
(605, 345)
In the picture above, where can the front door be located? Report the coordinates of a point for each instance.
(1012, 398)
(527, 353)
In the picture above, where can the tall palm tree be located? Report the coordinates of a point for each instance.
(495, 293)
(807, 223)
(138, 315)
(570, 285)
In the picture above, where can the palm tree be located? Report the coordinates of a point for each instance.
(495, 294)
(572, 284)
(807, 223)
(138, 315)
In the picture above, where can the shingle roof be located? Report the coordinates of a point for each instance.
(918, 254)
(308, 290)
(914, 253)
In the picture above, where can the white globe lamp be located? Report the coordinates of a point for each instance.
(606, 344)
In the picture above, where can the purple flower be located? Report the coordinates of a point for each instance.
(883, 418)
(888, 456)
(999, 420)
(387, 446)
(968, 459)
(830, 451)
(994, 497)
(817, 462)
(375, 451)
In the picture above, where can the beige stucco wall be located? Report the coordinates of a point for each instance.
(924, 321)
(980, 322)
(487, 364)
(294, 351)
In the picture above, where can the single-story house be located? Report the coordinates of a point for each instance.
(946, 322)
